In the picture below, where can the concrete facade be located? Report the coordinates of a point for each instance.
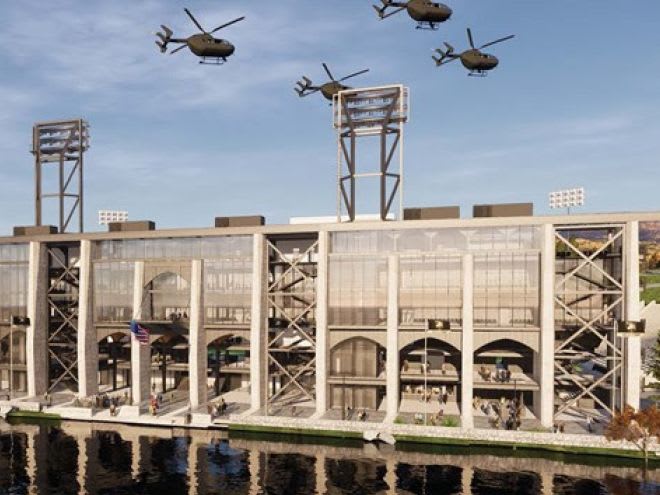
(482, 341)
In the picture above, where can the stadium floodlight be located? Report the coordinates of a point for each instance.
(110, 216)
(567, 198)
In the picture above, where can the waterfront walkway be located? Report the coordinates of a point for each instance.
(181, 416)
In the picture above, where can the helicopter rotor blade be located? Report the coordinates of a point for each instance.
(327, 71)
(498, 41)
(353, 75)
(469, 33)
(178, 49)
(227, 24)
(192, 18)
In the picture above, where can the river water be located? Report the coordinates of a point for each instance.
(63, 458)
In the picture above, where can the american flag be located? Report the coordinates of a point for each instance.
(141, 333)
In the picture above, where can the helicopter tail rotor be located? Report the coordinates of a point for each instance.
(305, 87)
(445, 56)
(381, 10)
(165, 38)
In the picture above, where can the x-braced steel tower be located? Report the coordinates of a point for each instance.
(291, 300)
(589, 299)
(61, 143)
(370, 112)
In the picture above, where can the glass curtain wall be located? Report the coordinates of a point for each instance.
(358, 291)
(113, 291)
(14, 269)
(506, 275)
(14, 264)
(228, 267)
(430, 288)
(506, 290)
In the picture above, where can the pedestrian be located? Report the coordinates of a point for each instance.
(590, 424)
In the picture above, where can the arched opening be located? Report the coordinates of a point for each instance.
(166, 298)
(13, 367)
(115, 362)
(505, 385)
(357, 376)
(169, 367)
(430, 382)
(229, 368)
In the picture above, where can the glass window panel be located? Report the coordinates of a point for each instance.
(13, 280)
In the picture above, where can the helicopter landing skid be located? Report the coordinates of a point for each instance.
(478, 73)
(213, 61)
(427, 26)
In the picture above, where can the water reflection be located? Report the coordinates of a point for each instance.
(98, 459)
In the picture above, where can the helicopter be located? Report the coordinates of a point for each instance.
(477, 62)
(212, 50)
(329, 89)
(427, 14)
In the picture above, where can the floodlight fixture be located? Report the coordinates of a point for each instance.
(567, 198)
(110, 216)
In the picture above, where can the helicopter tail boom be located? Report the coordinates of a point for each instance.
(382, 11)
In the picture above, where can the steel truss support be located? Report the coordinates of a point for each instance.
(62, 298)
(588, 296)
(63, 144)
(370, 112)
(291, 303)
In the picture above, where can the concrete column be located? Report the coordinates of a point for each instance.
(258, 352)
(544, 365)
(197, 355)
(140, 354)
(632, 347)
(467, 343)
(88, 350)
(392, 353)
(322, 336)
(37, 311)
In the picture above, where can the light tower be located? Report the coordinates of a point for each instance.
(61, 144)
(567, 198)
(379, 112)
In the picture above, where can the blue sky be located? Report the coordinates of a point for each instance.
(575, 102)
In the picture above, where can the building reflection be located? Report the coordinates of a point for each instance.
(96, 459)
